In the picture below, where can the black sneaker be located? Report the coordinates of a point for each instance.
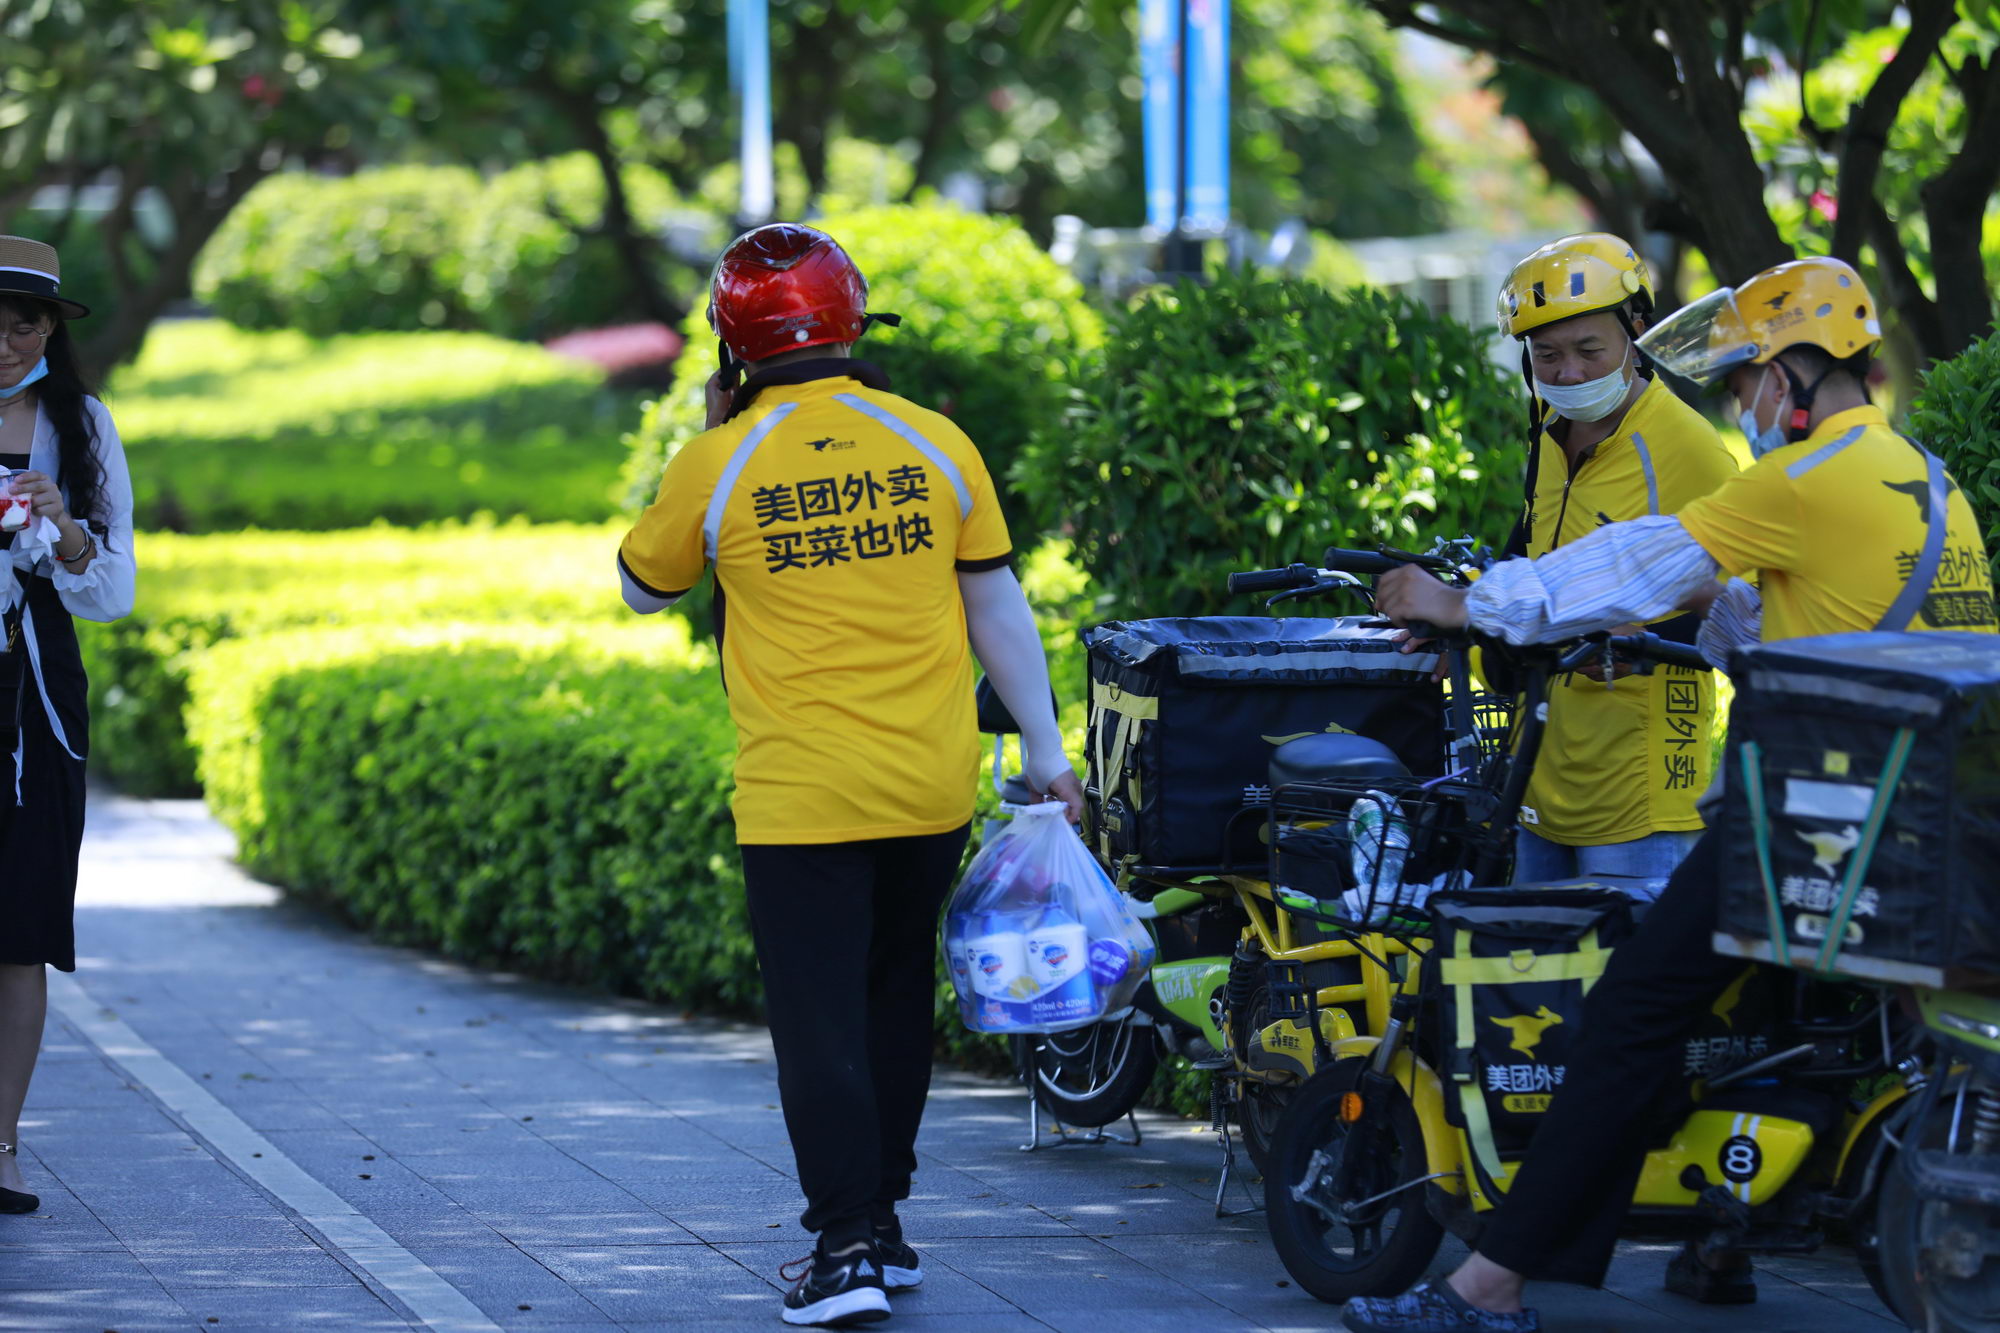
(836, 1292)
(902, 1269)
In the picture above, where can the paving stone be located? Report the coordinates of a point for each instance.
(39, 1269)
(129, 1308)
(660, 1282)
(270, 1309)
(296, 1267)
(592, 1229)
(176, 1235)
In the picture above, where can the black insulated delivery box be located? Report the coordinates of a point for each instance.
(1863, 806)
(1184, 715)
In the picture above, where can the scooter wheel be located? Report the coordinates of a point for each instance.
(1332, 1249)
(1089, 1077)
(1936, 1269)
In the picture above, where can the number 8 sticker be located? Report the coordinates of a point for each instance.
(1741, 1158)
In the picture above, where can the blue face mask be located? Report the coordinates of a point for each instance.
(1771, 437)
(40, 371)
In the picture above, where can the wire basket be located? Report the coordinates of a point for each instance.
(1492, 722)
(1365, 855)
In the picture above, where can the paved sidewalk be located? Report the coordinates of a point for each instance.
(368, 1138)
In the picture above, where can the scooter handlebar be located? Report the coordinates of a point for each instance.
(1273, 580)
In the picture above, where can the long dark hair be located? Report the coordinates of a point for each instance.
(62, 392)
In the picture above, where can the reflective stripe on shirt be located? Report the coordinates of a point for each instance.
(732, 471)
(888, 419)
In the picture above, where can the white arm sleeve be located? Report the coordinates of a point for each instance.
(109, 583)
(1736, 620)
(1625, 573)
(1009, 646)
(638, 596)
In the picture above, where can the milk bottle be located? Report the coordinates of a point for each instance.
(957, 962)
(1058, 949)
(1059, 960)
(998, 957)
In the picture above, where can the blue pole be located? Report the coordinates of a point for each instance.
(750, 66)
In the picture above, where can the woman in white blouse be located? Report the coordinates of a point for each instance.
(70, 556)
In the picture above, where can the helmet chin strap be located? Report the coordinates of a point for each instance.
(1642, 365)
(1802, 401)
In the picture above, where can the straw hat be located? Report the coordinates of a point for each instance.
(30, 268)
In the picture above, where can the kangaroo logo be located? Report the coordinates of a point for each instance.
(1920, 491)
(1830, 849)
(1528, 1028)
(1725, 1006)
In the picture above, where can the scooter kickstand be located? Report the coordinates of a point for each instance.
(1227, 1140)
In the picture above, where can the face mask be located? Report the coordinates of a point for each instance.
(1761, 441)
(40, 371)
(1592, 400)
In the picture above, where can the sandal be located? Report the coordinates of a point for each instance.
(1432, 1307)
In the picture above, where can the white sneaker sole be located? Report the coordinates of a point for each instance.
(902, 1279)
(862, 1305)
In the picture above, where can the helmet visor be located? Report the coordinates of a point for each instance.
(1703, 340)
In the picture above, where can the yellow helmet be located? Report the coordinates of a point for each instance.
(1572, 276)
(1818, 302)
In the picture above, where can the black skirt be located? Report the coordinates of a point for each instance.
(42, 836)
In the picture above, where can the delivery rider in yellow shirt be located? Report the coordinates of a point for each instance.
(860, 561)
(1849, 527)
(1621, 767)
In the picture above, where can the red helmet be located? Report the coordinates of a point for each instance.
(783, 287)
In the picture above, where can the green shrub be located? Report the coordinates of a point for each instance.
(528, 273)
(859, 174)
(376, 250)
(1956, 413)
(990, 322)
(1252, 422)
(229, 429)
(542, 799)
(419, 247)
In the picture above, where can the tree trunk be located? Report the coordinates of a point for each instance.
(1955, 204)
(635, 251)
(940, 110)
(198, 210)
(811, 69)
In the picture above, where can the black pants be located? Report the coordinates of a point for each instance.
(1561, 1217)
(847, 941)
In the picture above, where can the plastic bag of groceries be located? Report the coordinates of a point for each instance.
(1037, 937)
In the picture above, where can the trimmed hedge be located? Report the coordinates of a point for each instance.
(230, 429)
(990, 326)
(195, 592)
(535, 798)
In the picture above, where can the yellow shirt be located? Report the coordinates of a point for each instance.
(1629, 761)
(1835, 523)
(837, 518)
